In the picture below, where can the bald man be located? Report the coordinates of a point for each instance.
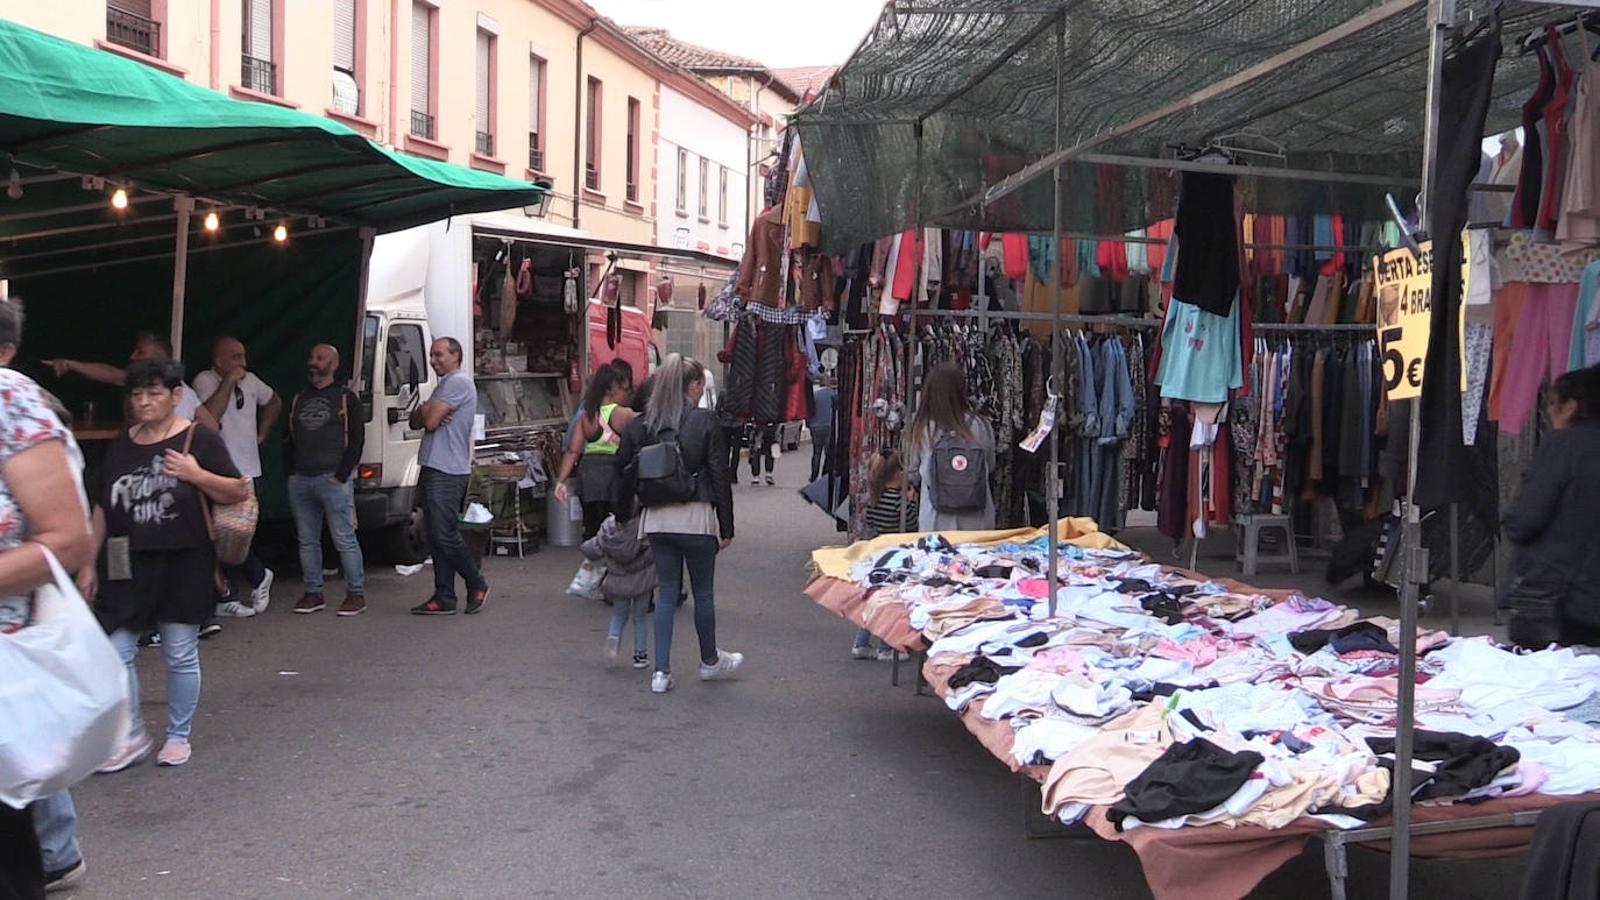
(325, 436)
(246, 408)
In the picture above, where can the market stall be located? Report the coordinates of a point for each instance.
(1285, 140)
(140, 201)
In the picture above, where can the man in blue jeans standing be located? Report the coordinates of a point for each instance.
(325, 440)
(446, 458)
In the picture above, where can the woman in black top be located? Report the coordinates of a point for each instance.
(1554, 521)
(158, 567)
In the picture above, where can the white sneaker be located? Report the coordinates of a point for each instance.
(262, 595)
(613, 647)
(660, 683)
(127, 755)
(727, 664)
(861, 652)
(235, 609)
(886, 655)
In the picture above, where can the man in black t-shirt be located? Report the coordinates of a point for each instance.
(325, 437)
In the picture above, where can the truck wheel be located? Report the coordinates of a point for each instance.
(406, 543)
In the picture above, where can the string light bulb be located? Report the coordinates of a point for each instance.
(14, 185)
(281, 233)
(119, 199)
(212, 222)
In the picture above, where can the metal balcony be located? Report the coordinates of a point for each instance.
(134, 32)
(422, 125)
(484, 143)
(259, 75)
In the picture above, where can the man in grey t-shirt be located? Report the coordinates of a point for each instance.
(446, 459)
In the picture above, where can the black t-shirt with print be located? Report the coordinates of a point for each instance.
(153, 509)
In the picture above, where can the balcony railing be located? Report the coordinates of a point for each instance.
(133, 32)
(484, 143)
(633, 191)
(591, 177)
(535, 152)
(422, 125)
(259, 75)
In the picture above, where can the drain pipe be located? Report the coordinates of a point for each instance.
(216, 45)
(579, 84)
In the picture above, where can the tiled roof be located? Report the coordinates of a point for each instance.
(805, 80)
(690, 56)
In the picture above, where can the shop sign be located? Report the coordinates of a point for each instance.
(1404, 287)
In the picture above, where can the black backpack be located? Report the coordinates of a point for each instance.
(663, 478)
(960, 474)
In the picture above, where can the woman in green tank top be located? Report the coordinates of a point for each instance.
(592, 451)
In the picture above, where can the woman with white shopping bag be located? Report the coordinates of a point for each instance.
(158, 565)
(62, 706)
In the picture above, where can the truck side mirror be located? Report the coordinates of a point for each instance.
(394, 416)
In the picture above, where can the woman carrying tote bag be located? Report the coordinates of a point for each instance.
(46, 642)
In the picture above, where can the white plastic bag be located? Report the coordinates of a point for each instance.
(63, 696)
(586, 583)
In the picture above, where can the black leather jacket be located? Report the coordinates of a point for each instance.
(1555, 522)
(705, 452)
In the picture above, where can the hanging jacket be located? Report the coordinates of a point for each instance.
(740, 357)
(770, 400)
(761, 271)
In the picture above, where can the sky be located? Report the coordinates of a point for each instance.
(769, 33)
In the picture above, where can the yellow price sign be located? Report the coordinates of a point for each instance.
(1404, 287)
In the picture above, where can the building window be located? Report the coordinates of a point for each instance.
(535, 113)
(423, 20)
(132, 24)
(682, 205)
(484, 94)
(633, 150)
(705, 189)
(347, 97)
(722, 196)
(260, 69)
(591, 141)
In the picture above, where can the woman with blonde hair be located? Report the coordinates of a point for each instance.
(673, 463)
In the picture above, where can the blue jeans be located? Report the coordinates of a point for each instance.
(864, 639)
(180, 647)
(316, 498)
(442, 496)
(672, 552)
(55, 821)
(640, 607)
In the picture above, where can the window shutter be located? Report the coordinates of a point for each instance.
(140, 8)
(421, 25)
(344, 35)
(535, 92)
(482, 89)
(260, 28)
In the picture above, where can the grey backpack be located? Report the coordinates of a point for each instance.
(960, 473)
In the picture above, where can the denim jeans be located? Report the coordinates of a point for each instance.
(640, 607)
(864, 639)
(821, 440)
(442, 496)
(180, 647)
(672, 552)
(315, 498)
(55, 821)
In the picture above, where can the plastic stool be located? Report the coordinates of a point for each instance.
(1248, 554)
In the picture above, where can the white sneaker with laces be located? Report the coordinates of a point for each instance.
(262, 595)
(235, 609)
(727, 663)
(861, 652)
(660, 683)
(886, 655)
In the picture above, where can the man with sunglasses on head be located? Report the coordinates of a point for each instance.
(146, 345)
(246, 408)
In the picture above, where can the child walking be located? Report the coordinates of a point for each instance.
(629, 583)
(886, 484)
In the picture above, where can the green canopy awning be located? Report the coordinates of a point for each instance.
(71, 108)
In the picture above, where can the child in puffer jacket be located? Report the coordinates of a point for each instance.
(629, 583)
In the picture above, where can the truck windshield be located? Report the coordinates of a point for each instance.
(369, 355)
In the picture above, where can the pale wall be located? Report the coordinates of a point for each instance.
(703, 133)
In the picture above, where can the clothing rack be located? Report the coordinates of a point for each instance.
(1290, 327)
(1118, 321)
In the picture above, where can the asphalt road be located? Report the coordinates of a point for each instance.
(495, 756)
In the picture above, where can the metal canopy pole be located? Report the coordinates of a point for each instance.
(1052, 485)
(1375, 16)
(180, 271)
(1441, 16)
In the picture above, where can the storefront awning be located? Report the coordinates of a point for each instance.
(69, 108)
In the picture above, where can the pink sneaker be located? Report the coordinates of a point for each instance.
(173, 753)
(127, 755)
